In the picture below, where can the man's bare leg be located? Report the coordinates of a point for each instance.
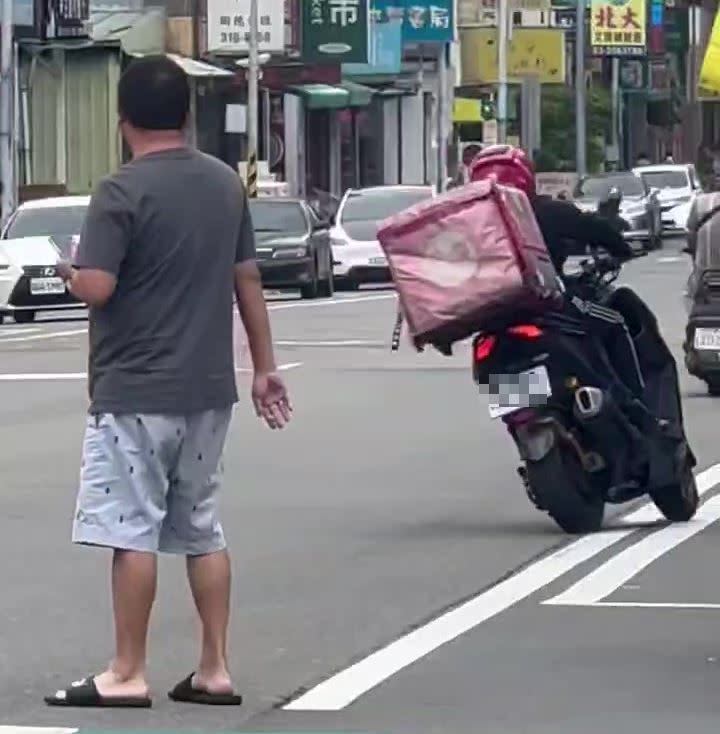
(210, 578)
(134, 583)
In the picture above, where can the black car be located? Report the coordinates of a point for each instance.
(293, 246)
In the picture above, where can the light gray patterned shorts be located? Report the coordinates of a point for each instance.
(148, 483)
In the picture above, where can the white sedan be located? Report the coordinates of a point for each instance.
(38, 234)
(677, 186)
(357, 255)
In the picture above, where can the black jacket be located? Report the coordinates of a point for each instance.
(564, 227)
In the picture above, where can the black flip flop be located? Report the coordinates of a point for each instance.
(84, 694)
(185, 692)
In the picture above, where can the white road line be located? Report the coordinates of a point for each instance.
(11, 331)
(35, 730)
(46, 335)
(331, 343)
(58, 376)
(608, 578)
(342, 689)
(651, 605)
(331, 302)
(673, 259)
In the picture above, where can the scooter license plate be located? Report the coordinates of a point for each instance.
(707, 339)
(510, 393)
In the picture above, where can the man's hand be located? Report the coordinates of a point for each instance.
(271, 399)
(64, 270)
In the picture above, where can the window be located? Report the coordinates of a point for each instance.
(47, 222)
(278, 216)
(667, 180)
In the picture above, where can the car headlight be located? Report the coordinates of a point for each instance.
(290, 252)
(4, 261)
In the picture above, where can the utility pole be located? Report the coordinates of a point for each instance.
(615, 97)
(7, 168)
(443, 114)
(503, 39)
(580, 91)
(252, 106)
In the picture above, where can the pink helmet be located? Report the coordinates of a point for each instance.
(510, 166)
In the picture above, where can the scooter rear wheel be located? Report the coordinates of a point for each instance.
(558, 482)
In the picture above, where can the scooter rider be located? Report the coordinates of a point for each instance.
(564, 226)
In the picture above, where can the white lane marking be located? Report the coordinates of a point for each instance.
(12, 331)
(46, 335)
(271, 307)
(672, 259)
(43, 376)
(51, 376)
(608, 578)
(331, 302)
(343, 688)
(331, 343)
(651, 605)
(35, 730)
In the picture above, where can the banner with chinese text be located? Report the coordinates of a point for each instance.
(335, 31)
(618, 27)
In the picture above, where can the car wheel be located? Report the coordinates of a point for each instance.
(311, 289)
(326, 288)
(24, 317)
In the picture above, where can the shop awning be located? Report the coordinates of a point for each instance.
(322, 96)
(195, 68)
(360, 95)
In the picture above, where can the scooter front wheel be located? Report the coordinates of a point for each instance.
(678, 501)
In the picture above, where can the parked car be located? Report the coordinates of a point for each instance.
(677, 187)
(293, 246)
(37, 235)
(640, 206)
(358, 257)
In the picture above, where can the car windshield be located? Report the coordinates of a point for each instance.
(667, 180)
(278, 216)
(58, 221)
(363, 211)
(598, 187)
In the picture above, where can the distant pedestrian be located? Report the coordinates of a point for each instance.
(669, 158)
(642, 160)
(167, 242)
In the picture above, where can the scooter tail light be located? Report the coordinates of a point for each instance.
(484, 347)
(526, 331)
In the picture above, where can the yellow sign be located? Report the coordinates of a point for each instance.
(467, 110)
(618, 27)
(709, 83)
(533, 51)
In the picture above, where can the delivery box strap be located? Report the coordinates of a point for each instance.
(397, 332)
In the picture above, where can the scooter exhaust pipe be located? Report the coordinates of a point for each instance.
(589, 403)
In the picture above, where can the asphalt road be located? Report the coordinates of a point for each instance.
(385, 530)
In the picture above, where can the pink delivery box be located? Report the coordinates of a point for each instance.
(468, 261)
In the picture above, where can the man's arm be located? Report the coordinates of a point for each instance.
(104, 241)
(250, 297)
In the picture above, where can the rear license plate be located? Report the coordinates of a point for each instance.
(707, 339)
(378, 261)
(47, 286)
(515, 392)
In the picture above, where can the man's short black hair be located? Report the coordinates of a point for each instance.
(154, 94)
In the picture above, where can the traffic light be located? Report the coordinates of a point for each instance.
(487, 107)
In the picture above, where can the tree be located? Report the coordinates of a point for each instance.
(558, 128)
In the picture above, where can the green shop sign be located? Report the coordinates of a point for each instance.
(335, 31)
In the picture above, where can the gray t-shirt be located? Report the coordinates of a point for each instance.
(170, 226)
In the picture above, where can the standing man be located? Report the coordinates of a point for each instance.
(167, 242)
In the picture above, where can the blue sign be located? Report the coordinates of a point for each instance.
(385, 43)
(429, 21)
(423, 21)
